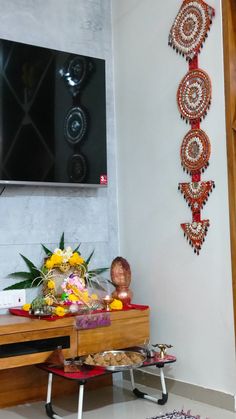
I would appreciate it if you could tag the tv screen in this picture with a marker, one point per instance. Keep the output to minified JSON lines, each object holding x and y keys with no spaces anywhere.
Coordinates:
{"x":52,"y":117}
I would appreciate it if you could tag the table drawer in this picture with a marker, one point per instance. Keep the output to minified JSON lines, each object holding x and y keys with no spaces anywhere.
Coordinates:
{"x":34,"y":347}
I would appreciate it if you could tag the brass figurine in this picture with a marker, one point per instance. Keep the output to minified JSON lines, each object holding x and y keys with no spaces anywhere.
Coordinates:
{"x":107,"y":300}
{"x":163,"y":347}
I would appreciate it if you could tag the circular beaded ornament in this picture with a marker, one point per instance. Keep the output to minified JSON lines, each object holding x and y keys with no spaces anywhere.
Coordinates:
{"x":190,"y":27}
{"x":195,"y":151}
{"x":194,"y":95}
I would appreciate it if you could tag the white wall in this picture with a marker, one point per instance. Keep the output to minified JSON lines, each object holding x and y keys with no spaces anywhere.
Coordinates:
{"x":33,"y":215}
{"x":190,"y":296}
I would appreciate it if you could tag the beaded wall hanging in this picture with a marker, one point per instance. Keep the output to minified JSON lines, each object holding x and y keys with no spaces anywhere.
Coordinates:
{"x":190,"y":27}
{"x":194,"y":95}
{"x":195,"y":151}
{"x":187,"y":35}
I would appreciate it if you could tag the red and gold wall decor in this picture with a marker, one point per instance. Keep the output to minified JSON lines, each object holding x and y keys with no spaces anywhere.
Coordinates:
{"x":187,"y":35}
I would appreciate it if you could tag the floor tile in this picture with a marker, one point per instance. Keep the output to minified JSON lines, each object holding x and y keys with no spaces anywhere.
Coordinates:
{"x":115,"y":403}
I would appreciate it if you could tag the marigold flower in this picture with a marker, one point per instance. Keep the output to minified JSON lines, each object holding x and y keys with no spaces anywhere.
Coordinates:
{"x":51,"y":284}
{"x":26,"y":307}
{"x":56,"y":259}
{"x":49,"y":263}
{"x":116,"y":305}
{"x":73,"y":297}
{"x":94,"y":296}
{"x":60,"y":311}
{"x":76,"y":259}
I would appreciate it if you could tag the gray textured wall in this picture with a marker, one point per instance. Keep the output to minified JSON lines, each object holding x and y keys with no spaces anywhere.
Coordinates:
{"x":33,"y":215}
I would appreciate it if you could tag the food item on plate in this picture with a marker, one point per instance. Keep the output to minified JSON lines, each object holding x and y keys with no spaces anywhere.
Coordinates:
{"x":114,"y":358}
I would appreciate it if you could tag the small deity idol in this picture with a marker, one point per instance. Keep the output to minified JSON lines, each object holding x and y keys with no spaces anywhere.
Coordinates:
{"x":121,"y":278}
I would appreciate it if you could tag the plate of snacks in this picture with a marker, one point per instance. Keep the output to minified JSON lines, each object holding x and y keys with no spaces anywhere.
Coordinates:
{"x":115,"y":360}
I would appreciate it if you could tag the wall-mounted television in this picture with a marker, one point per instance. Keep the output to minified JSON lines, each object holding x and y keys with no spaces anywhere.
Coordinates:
{"x":52,"y":117}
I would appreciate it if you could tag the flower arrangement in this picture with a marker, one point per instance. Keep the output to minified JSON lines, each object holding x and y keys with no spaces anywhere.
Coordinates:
{"x":68,"y":285}
{"x":62,"y":259}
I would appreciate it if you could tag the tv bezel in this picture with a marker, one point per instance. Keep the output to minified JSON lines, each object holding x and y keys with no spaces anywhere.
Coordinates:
{"x":55,"y":184}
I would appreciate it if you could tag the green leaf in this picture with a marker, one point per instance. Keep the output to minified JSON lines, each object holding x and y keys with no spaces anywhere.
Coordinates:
{"x":98,"y":271}
{"x":28,"y":262}
{"x":77,"y":249}
{"x":46,"y":250}
{"x":96,"y":285}
{"x":33,"y":269}
{"x":26,"y":275}
{"x":36,"y":282}
{"x":89,"y":258}
{"x":20,"y":285}
{"x":62,"y":242}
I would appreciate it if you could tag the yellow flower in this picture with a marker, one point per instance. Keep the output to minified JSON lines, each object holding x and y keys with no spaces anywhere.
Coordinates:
{"x":26,"y":307}
{"x":73,"y":297}
{"x":49,"y":263}
{"x":60,"y":311}
{"x":56,"y":259}
{"x":94,"y":297}
{"x":51,"y":284}
{"x":76,"y":259}
{"x":116,"y":305}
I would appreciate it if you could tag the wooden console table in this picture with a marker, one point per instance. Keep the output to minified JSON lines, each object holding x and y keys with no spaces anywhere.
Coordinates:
{"x":25,"y":342}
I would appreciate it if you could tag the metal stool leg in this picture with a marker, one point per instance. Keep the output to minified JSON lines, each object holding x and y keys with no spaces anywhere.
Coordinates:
{"x":142,"y":395}
{"x":132,"y":379}
{"x":48,"y":404}
{"x":80,"y":401}
{"x":137,"y":392}
{"x":164,"y":398}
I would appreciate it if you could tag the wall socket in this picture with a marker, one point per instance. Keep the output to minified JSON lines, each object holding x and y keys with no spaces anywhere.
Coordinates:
{"x":12,"y":298}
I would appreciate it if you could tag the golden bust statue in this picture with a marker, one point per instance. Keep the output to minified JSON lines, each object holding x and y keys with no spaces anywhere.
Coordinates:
{"x":121,"y":278}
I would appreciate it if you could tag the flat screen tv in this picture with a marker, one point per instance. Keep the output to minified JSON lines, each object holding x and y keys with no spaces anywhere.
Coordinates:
{"x":52,"y":117}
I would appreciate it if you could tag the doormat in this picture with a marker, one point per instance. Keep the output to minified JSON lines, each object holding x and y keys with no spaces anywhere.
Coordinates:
{"x":177,"y":415}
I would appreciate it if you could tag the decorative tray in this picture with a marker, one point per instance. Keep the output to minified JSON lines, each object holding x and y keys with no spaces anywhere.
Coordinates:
{"x":116,"y":360}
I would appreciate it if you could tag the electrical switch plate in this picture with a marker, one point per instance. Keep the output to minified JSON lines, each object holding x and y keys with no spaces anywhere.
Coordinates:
{"x":12,"y":298}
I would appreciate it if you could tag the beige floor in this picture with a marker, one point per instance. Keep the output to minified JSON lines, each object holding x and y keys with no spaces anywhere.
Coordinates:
{"x":115,"y":402}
